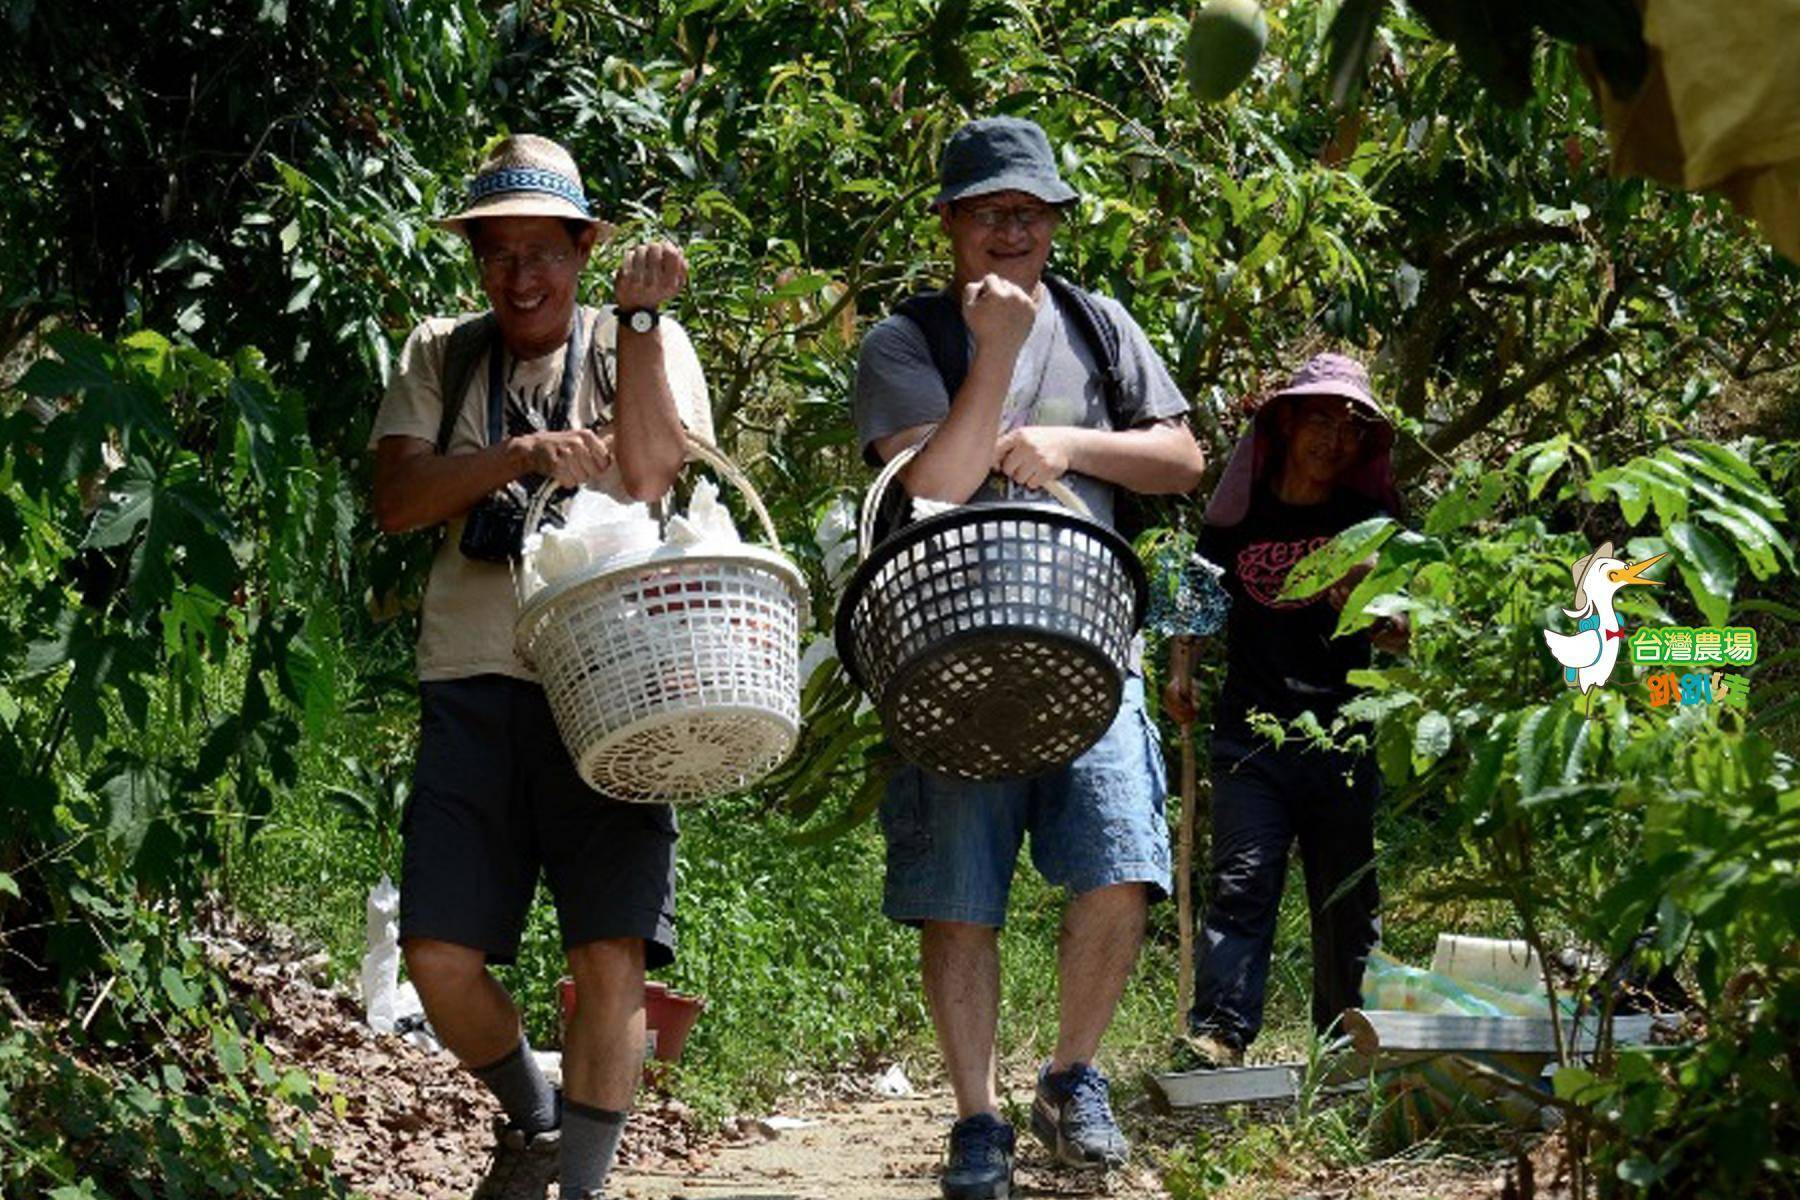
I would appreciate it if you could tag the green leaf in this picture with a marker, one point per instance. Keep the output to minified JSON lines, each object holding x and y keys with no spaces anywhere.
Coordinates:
{"x":303,"y":294}
{"x":259,"y":417}
{"x":1469,"y":500}
{"x":807,"y":284}
{"x":1639,"y":1171}
{"x":135,"y":793}
{"x":130,"y":500}
{"x":1708,"y":568}
{"x":1360,"y":608}
{"x":1490,"y":756}
{"x":9,"y":885}
{"x":181,"y":993}
{"x":85,"y":1190}
{"x":1547,"y":462}
{"x":1758,"y":541}
{"x":861,"y":807}
{"x":1726,"y":467}
{"x":1536,"y":746}
{"x":1572,"y":1083}
{"x":1332,"y":561}
{"x":1431,"y":740}
{"x":230,"y":1049}
{"x":82,"y":363}
{"x":1633,"y":503}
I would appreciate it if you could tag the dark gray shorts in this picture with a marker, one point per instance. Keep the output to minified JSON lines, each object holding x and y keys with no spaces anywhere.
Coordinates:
{"x":495,"y":799}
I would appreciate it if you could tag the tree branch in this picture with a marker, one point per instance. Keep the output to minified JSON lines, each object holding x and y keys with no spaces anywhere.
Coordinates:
{"x":1496,"y":400}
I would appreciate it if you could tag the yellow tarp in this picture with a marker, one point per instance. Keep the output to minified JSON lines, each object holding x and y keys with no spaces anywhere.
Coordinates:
{"x":1719,"y":109}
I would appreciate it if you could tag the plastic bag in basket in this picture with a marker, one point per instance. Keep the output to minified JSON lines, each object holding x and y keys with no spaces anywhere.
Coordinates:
{"x":1187,"y":597}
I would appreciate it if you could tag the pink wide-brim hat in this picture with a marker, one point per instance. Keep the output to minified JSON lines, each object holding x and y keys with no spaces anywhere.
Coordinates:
{"x":1251,"y":459}
{"x":524,"y":176}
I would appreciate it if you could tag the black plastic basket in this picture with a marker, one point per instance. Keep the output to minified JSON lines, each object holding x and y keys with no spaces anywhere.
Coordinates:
{"x":993,"y":639}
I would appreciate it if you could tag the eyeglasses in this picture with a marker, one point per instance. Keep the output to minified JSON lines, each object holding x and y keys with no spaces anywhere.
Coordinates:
{"x":497,"y":264}
{"x":1343,"y":428}
{"x":1027,"y":217}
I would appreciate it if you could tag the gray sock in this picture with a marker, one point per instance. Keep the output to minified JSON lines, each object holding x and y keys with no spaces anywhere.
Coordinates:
{"x":521,"y":1089}
{"x":590,"y":1139}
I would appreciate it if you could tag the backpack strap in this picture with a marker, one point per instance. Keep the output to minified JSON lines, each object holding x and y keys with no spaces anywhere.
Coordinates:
{"x":471,"y":336}
{"x":939,"y":318}
{"x":1102,"y":337}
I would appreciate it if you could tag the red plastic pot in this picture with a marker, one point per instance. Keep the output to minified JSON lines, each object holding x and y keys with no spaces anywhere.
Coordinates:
{"x":668,"y":1015}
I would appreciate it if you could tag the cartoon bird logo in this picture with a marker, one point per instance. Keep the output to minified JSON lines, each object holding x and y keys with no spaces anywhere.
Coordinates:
{"x":1589,"y":654}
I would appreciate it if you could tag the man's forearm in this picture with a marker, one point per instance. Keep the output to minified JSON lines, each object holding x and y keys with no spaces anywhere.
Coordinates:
{"x":649,"y":443}
{"x":961,"y":453}
{"x":427,"y":489}
{"x":1155,"y":460}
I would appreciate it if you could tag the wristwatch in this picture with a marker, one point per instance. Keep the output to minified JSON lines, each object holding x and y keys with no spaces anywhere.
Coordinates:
{"x":639,"y":320}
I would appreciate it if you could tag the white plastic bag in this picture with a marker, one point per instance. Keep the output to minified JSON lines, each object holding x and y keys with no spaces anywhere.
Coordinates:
{"x":706,"y":520}
{"x":381,"y":962}
{"x":835,"y":536}
{"x":595,"y":528}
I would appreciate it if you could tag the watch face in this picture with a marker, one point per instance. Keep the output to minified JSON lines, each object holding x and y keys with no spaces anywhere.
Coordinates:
{"x":643,"y":321}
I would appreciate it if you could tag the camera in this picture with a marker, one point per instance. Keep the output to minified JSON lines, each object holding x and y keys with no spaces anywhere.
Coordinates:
{"x":495,"y":529}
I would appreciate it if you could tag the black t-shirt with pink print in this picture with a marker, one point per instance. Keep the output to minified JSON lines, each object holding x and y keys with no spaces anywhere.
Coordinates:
{"x":1280,"y":655}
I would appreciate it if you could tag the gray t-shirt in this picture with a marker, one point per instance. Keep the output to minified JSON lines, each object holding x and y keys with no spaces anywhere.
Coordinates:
{"x":1055,"y":382}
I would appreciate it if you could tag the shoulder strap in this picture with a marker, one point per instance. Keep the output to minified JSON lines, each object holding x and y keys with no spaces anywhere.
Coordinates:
{"x":605,"y":360}
{"x":1102,"y":337}
{"x":471,"y":336}
{"x":939,"y":318}
{"x":1132,"y":513}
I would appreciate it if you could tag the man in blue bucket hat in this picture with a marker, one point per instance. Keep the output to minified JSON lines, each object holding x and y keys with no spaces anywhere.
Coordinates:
{"x":481,"y":410}
{"x":1020,"y":379}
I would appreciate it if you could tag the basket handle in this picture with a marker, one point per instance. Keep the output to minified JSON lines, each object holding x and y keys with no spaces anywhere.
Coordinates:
{"x":698,"y":450}
{"x":865,"y":529}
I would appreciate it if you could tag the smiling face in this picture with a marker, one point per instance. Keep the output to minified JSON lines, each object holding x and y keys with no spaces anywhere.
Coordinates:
{"x":1008,"y":234}
{"x":529,"y":269}
{"x":1324,"y":437}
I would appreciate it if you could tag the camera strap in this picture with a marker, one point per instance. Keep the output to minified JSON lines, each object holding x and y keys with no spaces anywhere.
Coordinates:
{"x":565,"y":390}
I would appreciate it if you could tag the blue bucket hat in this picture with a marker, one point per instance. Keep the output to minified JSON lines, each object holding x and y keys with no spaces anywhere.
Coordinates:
{"x":1000,"y":154}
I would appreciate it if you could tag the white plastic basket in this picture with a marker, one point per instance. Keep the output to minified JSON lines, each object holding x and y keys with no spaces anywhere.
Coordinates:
{"x":673,"y":672}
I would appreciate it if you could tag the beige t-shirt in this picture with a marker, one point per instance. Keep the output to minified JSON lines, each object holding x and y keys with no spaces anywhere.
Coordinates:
{"x":467,"y":626}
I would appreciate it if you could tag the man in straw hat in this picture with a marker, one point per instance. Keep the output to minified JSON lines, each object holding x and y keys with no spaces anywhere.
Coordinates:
{"x":1016,"y":374}
{"x":1315,"y":461}
{"x":480,"y":412}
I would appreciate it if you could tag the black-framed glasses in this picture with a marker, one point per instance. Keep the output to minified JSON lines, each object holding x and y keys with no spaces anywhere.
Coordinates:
{"x":1029,"y":217}
{"x":1351,"y":429}
{"x":498,"y":264}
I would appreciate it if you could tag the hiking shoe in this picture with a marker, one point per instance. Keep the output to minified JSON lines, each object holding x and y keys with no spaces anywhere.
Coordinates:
{"x":980,"y":1159}
{"x":1073,"y":1117}
{"x":524,"y":1164}
{"x":1205,"y":1052}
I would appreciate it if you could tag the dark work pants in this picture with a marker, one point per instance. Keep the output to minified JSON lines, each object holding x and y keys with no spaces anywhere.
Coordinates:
{"x":1263,"y":798}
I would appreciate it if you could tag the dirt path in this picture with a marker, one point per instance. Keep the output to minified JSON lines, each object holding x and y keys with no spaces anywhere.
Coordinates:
{"x":404,"y":1124}
{"x":860,"y":1149}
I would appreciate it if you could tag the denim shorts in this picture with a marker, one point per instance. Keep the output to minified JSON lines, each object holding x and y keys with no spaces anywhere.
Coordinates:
{"x":952,"y":844}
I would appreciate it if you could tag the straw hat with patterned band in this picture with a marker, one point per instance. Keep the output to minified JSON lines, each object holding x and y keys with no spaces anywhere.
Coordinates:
{"x":524,"y":176}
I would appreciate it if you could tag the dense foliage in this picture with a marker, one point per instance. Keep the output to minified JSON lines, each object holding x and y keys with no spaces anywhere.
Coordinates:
{"x":216,"y":237}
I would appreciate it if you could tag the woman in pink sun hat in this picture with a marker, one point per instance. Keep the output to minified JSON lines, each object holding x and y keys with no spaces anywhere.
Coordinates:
{"x":1316,"y":460}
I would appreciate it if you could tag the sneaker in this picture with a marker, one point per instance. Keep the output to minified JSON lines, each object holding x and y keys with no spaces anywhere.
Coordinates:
{"x":980,"y":1160}
{"x":1205,"y":1052}
{"x":524,"y":1164}
{"x":1073,"y":1117}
